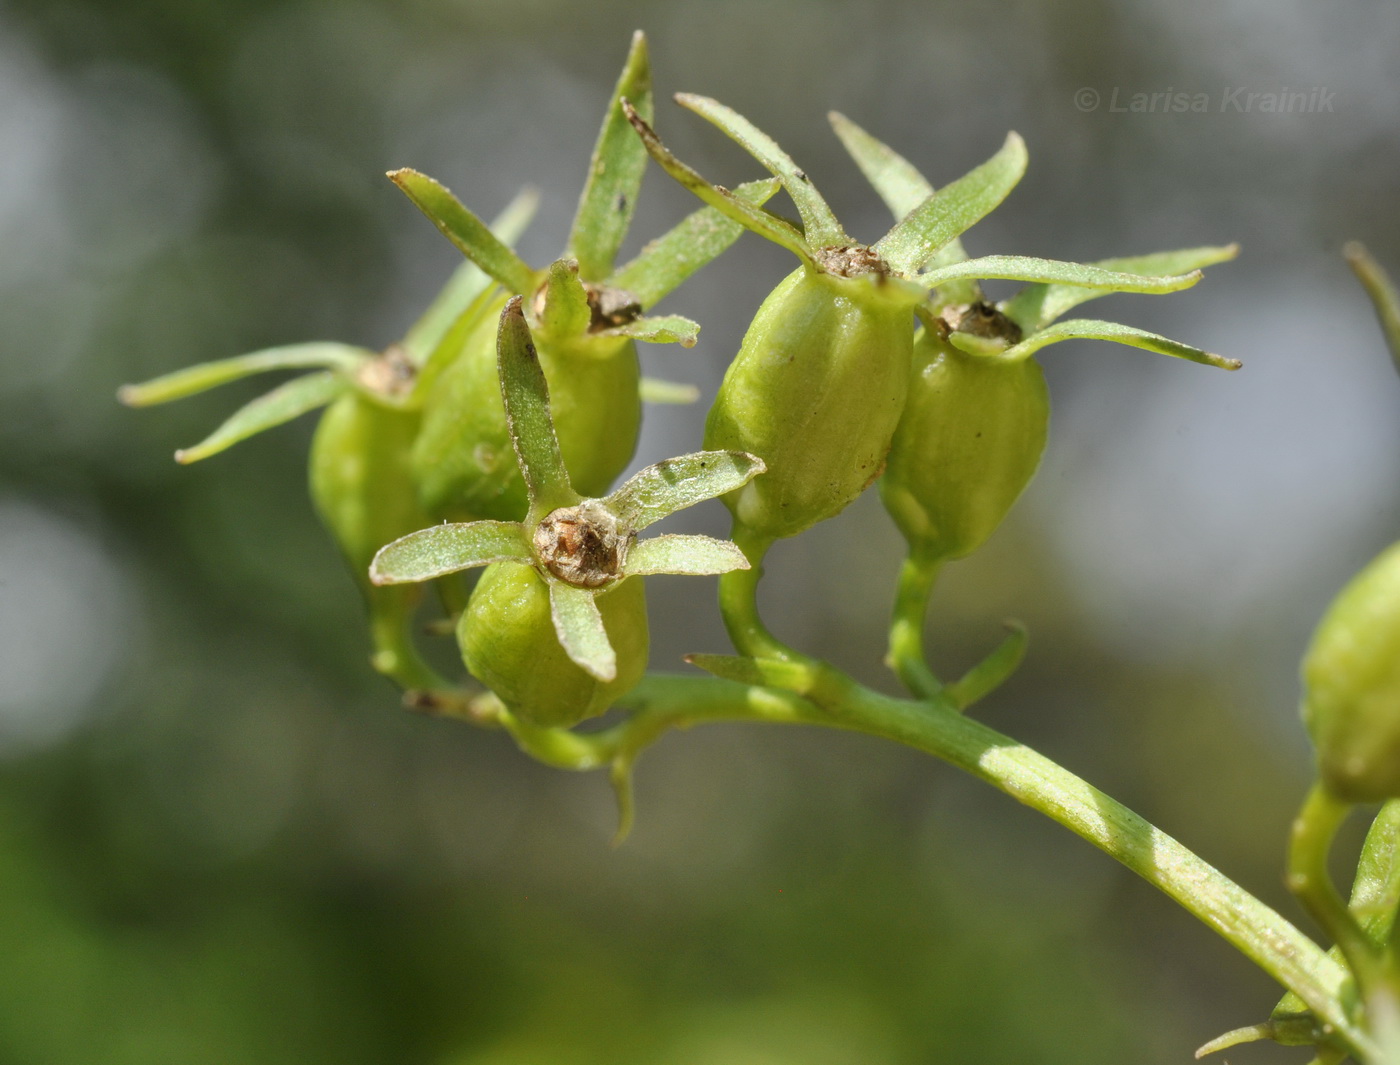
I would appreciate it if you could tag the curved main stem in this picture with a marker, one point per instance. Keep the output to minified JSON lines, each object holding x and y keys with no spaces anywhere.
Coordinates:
{"x":1260,"y":933}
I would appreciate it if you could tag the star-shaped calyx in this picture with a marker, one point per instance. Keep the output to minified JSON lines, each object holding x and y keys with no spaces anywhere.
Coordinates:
{"x":582,"y":301}
{"x":580,"y":547}
{"x":1016,"y":328}
{"x":921,"y":252}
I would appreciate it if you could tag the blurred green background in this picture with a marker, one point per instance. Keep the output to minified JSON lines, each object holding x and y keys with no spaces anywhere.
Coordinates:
{"x":220,"y":839}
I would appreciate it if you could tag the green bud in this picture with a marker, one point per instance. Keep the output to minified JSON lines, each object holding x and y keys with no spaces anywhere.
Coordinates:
{"x":509,"y":643}
{"x":969,"y":441}
{"x":816,"y":391}
{"x":1351,"y":686}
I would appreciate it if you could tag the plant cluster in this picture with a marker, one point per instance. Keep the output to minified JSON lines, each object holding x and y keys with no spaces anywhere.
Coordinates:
{"x":493,"y":434}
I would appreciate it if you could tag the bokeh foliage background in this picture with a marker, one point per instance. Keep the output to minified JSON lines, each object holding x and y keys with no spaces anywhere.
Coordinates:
{"x":221,"y":841}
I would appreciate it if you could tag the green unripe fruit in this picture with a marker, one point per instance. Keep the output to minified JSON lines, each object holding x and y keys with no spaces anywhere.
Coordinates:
{"x":815,"y":392}
{"x":1351,"y":686}
{"x":463,"y":460}
{"x":970,"y":439}
{"x":362,"y":488}
{"x":508,"y":642}
{"x":360,"y":477}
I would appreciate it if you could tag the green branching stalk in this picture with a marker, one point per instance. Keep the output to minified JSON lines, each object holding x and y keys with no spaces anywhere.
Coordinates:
{"x":662,"y":702}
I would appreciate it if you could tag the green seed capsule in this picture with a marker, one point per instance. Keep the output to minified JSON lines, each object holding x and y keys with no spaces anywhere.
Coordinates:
{"x":509,"y":643}
{"x":463,"y":461}
{"x":969,"y":442}
{"x":360,"y":485}
{"x":1351,"y":686}
{"x":815,"y":391}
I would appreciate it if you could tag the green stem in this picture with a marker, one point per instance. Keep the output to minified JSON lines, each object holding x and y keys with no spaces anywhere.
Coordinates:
{"x":906,"y":651}
{"x":1313,"y":832}
{"x":1291,"y":958}
{"x":738,"y":601}
{"x":395,"y":654}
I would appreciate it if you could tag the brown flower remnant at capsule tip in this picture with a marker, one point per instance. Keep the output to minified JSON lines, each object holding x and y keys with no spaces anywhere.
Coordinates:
{"x":582,"y":545}
{"x":980,"y":319}
{"x":851,"y":260}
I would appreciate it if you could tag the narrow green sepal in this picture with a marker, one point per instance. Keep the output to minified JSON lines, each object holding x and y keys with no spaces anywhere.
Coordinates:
{"x":1382,"y":292}
{"x":663,"y":329}
{"x":695,"y":241}
{"x":443,"y":549}
{"x":993,"y":671}
{"x":671,"y":485}
{"x":977,"y":345}
{"x":1029,"y":268}
{"x":285,"y":402}
{"x":467,"y":282}
{"x":900,"y":184}
{"x":1252,"y":1033}
{"x":620,"y":776}
{"x":320,"y":355}
{"x":819,"y":224}
{"x":896,"y":180}
{"x":615,"y":172}
{"x":579,"y":626}
{"x":953,"y":209}
{"x":764,"y":672}
{"x":684,"y":554}
{"x":563,"y":313}
{"x":469,"y":233}
{"x":672,"y":393}
{"x":1037,"y":305}
{"x":1089,"y":329}
{"x":526,"y":396}
{"x":718,"y":197}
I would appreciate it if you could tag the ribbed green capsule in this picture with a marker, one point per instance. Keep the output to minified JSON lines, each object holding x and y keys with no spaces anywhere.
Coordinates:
{"x":361,"y":488}
{"x":585,"y":315}
{"x":463,"y":461}
{"x":1351,"y":686}
{"x":968,"y":443}
{"x":816,"y":390}
{"x":509,"y":643}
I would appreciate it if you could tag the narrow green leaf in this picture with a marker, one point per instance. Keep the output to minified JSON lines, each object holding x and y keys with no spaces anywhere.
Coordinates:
{"x":442,"y":549}
{"x":699,"y":239}
{"x":1375,"y":892}
{"x":1382,"y":292}
{"x":674,"y":393}
{"x":468,"y":232}
{"x":579,"y":626}
{"x":282,"y":404}
{"x":791,"y":676}
{"x":1026,"y":268}
{"x":1088,"y":329}
{"x":565,"y":313}
{"x":195,"y":379}
{"x":1037,"y":305}
{"x":677,"y":553}
{"x":447,"y":349}
{"x":718,"y":197}
{"x":992,"y":672}
{"x":954,"y":209}
{"x":896,"y":180}
{"x":673,"y":484}
{"x":664,"y":329}
{"x":818,"y":223}
{"x":467,"y":282}
{"x":526,"y":396}
{"x":615,"y":173}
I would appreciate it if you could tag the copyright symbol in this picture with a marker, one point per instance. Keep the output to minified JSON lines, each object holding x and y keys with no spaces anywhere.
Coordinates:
{"x":1087,"y":99}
